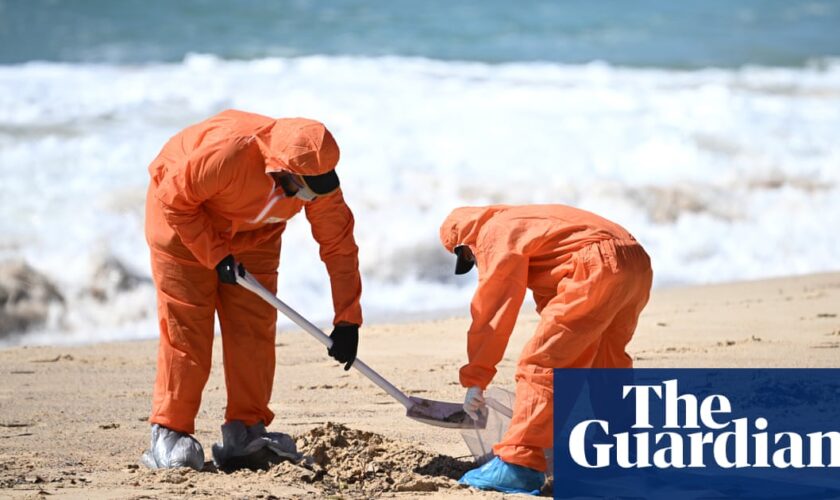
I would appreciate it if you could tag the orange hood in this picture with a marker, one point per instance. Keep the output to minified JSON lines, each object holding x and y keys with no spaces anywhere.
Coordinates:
{"x":298,"y":145}
{"x":462,"y":225}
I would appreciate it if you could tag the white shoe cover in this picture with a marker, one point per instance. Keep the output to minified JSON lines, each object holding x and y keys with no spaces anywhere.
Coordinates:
{"x":169,"y":449}
{"x":246,"y":447}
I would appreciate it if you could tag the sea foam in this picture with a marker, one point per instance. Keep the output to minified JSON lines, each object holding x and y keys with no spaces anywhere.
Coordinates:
{"x":721,"y":174}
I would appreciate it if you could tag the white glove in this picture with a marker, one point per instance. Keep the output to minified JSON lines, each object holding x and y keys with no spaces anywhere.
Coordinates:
{"x":473,"y":401}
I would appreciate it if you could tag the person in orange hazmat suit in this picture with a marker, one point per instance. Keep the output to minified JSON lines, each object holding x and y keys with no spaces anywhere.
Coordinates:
{"x":221,"y":192}
{"x":590,"y":280}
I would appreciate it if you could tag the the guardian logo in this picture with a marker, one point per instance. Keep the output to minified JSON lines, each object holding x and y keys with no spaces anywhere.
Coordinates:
{"x":730,"y":442}
{"x":697,"y":433}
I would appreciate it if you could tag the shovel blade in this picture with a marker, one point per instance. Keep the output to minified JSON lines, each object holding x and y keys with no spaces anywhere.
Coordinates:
{"x":443,"y":414}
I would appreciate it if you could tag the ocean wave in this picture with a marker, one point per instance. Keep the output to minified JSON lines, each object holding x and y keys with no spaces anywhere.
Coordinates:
{"x":722,"y":174}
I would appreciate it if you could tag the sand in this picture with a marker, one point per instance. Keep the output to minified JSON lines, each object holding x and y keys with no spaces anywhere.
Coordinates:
{"x":73,"y":419}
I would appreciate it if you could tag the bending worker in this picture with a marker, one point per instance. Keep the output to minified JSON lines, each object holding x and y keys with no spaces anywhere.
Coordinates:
{"x":590,"y":280}
{"x":221,"y":192}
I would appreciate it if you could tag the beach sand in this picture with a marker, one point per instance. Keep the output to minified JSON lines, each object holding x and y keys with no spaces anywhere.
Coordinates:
{"x":73,"y":419}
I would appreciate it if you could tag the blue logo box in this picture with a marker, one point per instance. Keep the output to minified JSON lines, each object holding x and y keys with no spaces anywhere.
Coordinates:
{"x":697,"y":433}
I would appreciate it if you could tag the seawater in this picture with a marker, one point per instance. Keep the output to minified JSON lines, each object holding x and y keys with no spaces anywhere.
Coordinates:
{"x":724,"y":166}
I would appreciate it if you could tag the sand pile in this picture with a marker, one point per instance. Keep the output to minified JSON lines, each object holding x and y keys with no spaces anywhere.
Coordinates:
{"x":343,"y":460}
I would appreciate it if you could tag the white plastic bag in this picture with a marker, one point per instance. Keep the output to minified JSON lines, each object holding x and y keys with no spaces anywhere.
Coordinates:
{"x":500,"y":410}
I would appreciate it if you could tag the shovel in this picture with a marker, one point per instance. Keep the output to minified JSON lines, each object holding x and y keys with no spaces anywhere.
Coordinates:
{"x":427,"y":411}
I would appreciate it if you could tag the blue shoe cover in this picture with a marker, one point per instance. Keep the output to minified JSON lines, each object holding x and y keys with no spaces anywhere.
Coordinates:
{"x":508,"y":478}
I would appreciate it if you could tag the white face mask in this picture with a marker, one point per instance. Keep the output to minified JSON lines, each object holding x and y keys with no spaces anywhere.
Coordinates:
{"x":305,"y":194}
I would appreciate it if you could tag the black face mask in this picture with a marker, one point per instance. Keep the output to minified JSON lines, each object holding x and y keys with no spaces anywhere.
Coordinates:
{"x":463,"y":264}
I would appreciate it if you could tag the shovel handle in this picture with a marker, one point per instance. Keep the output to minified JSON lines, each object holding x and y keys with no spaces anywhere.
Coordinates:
{"x":249,"y":282}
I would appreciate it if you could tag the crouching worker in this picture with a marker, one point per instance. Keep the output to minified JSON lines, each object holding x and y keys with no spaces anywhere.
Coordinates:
{"x":590,"y":280}
{"x":221,"y":192}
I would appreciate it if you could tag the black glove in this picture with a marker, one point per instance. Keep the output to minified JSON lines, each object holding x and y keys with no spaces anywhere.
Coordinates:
{"x":228,"y":269}
{"x":345,"y":344}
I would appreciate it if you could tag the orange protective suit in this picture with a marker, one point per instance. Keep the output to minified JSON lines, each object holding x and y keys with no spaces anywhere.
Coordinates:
{"x":590,"y":279}
{"x":211,"y":196}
